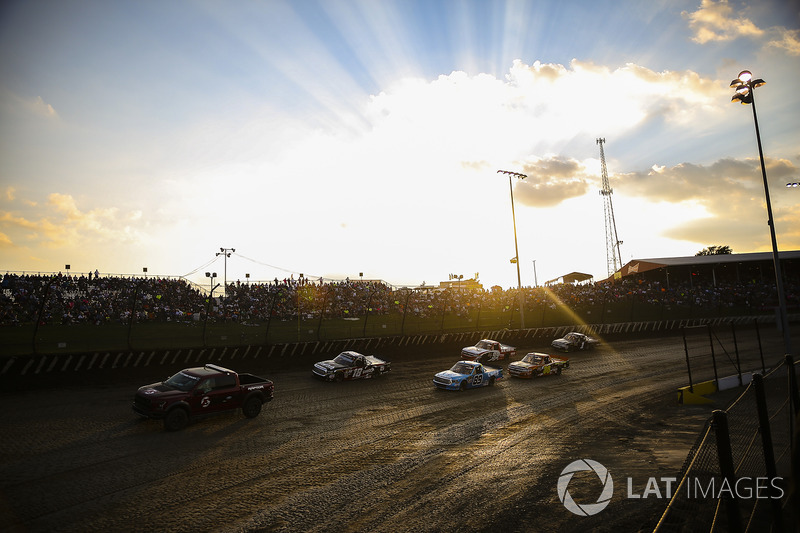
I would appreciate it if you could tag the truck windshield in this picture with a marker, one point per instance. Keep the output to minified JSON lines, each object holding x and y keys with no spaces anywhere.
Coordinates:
{"x":182,"y":381}
{"x":343,"y":359}
{"x":483,"y":345}
{"x":462,"y":368}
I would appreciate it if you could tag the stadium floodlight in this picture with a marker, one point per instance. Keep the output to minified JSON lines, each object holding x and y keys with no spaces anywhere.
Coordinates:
{"x":211,"y":275}
{"x":226,"y":253}
{"x":745,"y":87}
{"x":792,"y":185}
{"x":516,"y":248}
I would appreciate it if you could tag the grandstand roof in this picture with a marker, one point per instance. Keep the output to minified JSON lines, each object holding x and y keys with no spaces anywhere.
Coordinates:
{"x":636,"y":266}
{"x":572,"y":277}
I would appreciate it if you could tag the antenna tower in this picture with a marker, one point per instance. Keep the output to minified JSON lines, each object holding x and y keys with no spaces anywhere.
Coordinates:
{"x":613,"y":254}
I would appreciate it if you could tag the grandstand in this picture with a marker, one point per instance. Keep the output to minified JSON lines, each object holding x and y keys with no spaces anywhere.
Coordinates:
{"x":711,"y":269}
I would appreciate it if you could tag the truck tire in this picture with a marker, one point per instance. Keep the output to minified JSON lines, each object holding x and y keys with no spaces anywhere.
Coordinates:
{"x":176,"y":419}
{"x":338,"y":377}
{"x":463,"y":386}
{"x":252,"y":406}
{"x":558,"y":371}
{"x":491,"y":381}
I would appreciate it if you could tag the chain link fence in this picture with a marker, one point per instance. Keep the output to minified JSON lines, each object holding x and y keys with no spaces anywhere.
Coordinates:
{"x":69,"y":314}
{"x":736,"y":476}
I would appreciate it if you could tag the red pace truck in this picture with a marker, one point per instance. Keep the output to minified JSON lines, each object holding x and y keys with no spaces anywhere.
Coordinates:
{"x":200,"y":391}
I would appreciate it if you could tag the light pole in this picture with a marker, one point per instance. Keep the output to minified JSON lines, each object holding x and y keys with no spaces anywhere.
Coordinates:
{"x":516,"y":248}
{"x":227,"y":253}
{"x":211,"y":275}
{"x":535,"y":278}
{"x":745,"y":87}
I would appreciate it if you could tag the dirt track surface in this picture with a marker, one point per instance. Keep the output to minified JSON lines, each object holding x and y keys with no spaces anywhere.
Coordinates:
{"x":392,"y":454}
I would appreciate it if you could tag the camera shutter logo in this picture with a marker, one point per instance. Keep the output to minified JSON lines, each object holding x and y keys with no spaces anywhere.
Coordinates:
{"x":586,"y":509}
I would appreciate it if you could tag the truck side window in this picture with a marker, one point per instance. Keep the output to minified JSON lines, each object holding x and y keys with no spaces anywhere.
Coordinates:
{"x":225,"y":382}
{"x":206,"y":385}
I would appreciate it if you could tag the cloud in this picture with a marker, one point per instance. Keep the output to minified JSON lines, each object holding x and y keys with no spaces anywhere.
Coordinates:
{"x":715,"y":21}
{"x":536,"y":108}
{"x":63,"y":224}
{"x":550,"y":181}
{"x":5,"y":241}
{"x":787,"y":40}
{"x":43,"y":109}
{"x":731,"y":193}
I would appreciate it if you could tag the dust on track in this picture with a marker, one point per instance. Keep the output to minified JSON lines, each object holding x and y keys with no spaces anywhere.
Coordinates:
{"x":384,"y":455}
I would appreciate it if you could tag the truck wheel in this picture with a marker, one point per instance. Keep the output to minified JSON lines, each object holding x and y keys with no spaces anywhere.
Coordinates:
{"x":558,"y":371}
{"x":339,"y":377}
{"x":176,"y":419}
{"x":251,"y":407}
{"x":463,"y":386}
{"x":491,"y":381}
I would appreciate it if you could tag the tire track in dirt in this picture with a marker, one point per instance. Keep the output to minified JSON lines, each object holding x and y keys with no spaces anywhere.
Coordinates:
{"x":388,"y":454}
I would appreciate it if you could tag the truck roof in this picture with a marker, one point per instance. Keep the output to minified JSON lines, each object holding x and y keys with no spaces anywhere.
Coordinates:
{"x":208,"y":370}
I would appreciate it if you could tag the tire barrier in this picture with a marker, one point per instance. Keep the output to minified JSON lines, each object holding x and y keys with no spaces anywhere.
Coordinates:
{"x":52,"y":364}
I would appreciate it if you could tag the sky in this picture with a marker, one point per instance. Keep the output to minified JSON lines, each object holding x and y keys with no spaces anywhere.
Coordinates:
{"x":346,"y":139}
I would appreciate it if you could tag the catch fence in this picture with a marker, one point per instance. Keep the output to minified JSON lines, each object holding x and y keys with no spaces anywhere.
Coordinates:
{"x":736,"y":476}
{"x":57,"y":314}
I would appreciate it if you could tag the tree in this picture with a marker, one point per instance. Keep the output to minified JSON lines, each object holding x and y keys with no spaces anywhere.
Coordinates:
{"x":715,"y":250}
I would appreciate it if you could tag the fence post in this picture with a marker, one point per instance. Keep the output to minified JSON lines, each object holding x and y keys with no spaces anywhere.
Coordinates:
{"x":688,"y":364}
{"x":39,"y":315}
{"x":133,"y":314}
{"x":269,"y":317}
{"x":792,"y":383}
{"x":322,"y":312}
{"x":405,"y":310}
{"x":760,"y":348}
{"x":366,"y":311}
{"x":713,"y":357}
{"x":736,"y":350}
{"x":794,"y":404}
{"x":727,"y":470}
{"x":769,"y":452}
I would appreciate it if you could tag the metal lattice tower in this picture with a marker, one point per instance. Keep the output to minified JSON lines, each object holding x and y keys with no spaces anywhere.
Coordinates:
{"x":613,"y":254}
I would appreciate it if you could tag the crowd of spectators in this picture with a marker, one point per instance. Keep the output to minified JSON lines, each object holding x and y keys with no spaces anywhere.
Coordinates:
{"x":97,"y":300}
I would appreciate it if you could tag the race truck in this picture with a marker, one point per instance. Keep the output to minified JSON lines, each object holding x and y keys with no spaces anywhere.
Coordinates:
{"x":537,"y":364}
{"x":200,"y":391}
{"x":467,"y":375}
{"x":351,"y":365}
{"x":487,"y":350}
{"x":574,"y":341}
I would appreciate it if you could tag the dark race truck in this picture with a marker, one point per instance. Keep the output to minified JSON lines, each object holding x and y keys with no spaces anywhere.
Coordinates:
{"x":201,"y":391}
{"x":351,"y":365}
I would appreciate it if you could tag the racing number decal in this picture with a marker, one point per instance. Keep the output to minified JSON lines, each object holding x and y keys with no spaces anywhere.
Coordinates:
{"x":205,"y":402}
{"x":357,"y":372}
{"x":546,"y":369}
{"x":477,"y":380}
